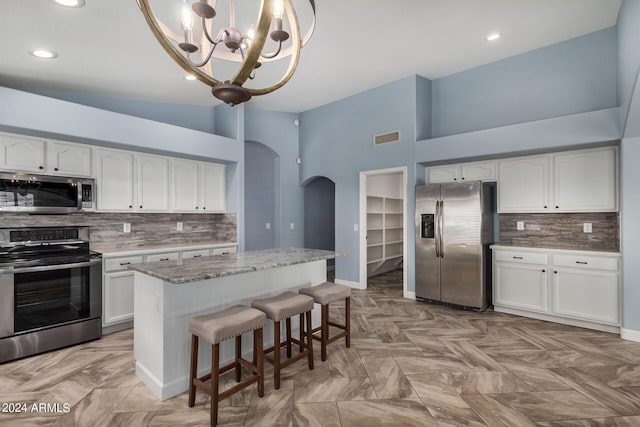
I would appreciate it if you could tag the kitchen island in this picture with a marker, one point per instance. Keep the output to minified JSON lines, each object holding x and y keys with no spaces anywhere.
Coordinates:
{"x":167,"y":294}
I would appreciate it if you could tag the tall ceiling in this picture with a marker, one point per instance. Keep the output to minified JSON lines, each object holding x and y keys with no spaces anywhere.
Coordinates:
{"x":107,"y":49}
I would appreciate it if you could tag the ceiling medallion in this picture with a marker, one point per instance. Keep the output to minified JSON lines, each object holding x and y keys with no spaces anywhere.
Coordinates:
{"x":199,"y":37}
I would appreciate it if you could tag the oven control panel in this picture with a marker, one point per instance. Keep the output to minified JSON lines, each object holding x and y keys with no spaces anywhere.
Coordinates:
{"x":43,"y":234}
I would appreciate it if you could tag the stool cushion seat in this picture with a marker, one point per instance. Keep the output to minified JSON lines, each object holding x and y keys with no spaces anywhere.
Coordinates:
{"x":283,"y":306}
{"x":228,"y":323}
{"x":327,"y":292}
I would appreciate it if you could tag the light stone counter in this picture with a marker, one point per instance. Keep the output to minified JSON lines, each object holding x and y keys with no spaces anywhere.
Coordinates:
{"x":121,"y":249}
{"x":167,"y":294}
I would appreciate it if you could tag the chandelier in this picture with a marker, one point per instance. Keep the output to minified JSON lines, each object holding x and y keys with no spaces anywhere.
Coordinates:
{"x":203,"y":41}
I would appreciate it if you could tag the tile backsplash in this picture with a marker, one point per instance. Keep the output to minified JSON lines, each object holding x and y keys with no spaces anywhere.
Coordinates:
{"x":562,"y":230}
{"x":146,"y":228}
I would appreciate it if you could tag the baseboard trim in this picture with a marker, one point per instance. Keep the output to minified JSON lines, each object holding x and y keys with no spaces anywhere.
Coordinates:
{"x":630,"y":334}
{"x":558,"y":319}
{"x":410,"y":295}
{"x":355,"y":285}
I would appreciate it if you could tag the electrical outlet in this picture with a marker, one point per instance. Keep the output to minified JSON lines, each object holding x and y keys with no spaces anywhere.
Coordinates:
{"x":355,"y":227}
{"x":520,"y":225}
{"x":293,"y":226}
{"x":126,"y":227}
{"x":268,"y":226}
{"x":179,"y":226}
{"x":587,"y":227}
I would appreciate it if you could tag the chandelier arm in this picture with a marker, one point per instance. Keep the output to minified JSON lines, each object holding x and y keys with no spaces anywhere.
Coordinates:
{"x":253,"y":53}
{"x":295,"y":56}
{"x":204,"y":61}
{"x":206,"y":31}
{"x":274,"y":54}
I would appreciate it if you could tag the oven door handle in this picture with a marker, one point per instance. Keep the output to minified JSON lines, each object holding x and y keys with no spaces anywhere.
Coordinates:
{"x":51,"y":267}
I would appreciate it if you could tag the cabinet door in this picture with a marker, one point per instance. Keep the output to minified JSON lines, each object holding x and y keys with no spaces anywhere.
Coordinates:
{"x":224,"y":250}
{"x":153,"y":183}
{"x":590,"y":295}
{"x":585,"y":181}
{"x":447,"y":173}
{"x":22,"y":154}
{"x":520,"y":286}
{"x":523,"y":185}
{"x":484,"y":171}
{"x":213,"y":187}
{"x":114,"y":180}
{"x":70,"y":159}
{"x":186,"y":192}
{"x":118,"y":298}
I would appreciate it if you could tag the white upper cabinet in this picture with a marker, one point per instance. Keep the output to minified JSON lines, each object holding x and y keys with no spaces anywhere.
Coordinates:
{"x":22,"y":154}
{"x":586,"y":181}
{"x":186,"y":185}
{"x":475,"y":171}
{"x":114,"y":170}
{"x":69,"y":159}
{"x":213,"y":187}
{"x":523,"y":184}
{"x":198,"y":186}
{"x":571,"y":181}
{"x":153,"y":183}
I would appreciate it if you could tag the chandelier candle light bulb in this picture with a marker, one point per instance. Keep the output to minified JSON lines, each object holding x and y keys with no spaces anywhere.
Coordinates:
{"x":229,"y":43}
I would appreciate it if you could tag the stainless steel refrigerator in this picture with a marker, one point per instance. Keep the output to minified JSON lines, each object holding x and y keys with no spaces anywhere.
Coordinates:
{"x":454,"y":228}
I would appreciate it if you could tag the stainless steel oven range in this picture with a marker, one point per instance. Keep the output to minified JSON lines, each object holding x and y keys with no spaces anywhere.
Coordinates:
{"x":50,"y":290}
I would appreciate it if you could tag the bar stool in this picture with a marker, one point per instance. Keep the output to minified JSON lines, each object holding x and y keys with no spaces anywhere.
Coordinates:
{"x":280,"y":307}
{"x":324,"y":294}
{"x":216,"y":327}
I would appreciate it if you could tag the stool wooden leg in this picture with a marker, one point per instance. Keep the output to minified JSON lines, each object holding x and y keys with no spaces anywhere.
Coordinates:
{"x":324,"y":334}
{"x":276,"y":355}
{"x":347,"y":321}
{"x":302,"y":333}
{"x":238,"y":356}
{"x":193,"y":372}
{"x":288,"y":327}
{"x":309,"y":339}
{"x":215,"y":380}
{"x":258,"y":356}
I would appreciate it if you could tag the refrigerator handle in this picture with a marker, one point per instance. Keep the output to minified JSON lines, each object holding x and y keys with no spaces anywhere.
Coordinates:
{"x":436,"y":229}
{"x":441,"y":229}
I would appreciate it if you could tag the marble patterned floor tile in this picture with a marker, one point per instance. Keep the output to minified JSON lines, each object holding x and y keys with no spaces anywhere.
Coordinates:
{"x":388,"y":331}
{"x":321,"y":414}
{"x":486,"y":382}
{"x":274,"y":409}
{"x":443,"y":401}
{"x":94,"y":408}
{"x":474,"y":357}
{"x":615,"y":375}
{"x":334,"y":389}
{"x":373,"y":413}
{"x":372,"y":349}
{"x":554,"y":405}
{"x":127,"y":419}
{"x":495,"y":413}
{"x":343,"y":361}
{"x":539,"y":379}
{"x":387,"y":379}
{"x":595,"y":422}
{"x":431,"y":364}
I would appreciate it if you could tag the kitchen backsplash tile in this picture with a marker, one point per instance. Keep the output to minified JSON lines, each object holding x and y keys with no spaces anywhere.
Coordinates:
{"x":146,"y":228}
{"x":562,"y":230}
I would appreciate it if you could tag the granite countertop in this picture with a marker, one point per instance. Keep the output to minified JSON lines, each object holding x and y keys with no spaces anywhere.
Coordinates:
{"x":122,"y":249}
{"x":552,"y":248}
{"x":210,"y":267}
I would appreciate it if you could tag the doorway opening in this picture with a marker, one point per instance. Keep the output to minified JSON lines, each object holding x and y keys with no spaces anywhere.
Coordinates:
{"x":319,"y":217}
{"x":383,"y":220}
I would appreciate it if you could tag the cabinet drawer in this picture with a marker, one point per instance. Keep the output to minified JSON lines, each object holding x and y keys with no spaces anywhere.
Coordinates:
{"x":227,"y":250}
{"x":586,"y":261}
{"x":167,"y":256}
{"x":120,"y":263}
{"x":520,"y":257}
{"x":195,"y":253}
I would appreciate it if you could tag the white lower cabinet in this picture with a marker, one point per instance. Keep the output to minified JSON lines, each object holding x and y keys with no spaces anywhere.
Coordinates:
{"x":117,"y":280}
{"x":574,"y":287}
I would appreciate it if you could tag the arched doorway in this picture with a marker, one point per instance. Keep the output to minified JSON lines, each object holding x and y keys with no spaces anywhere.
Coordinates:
{"x":319,"y":215}
{"x":260,"y":191}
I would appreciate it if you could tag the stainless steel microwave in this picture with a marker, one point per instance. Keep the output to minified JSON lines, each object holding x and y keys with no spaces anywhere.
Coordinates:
{"x":21,"y":192}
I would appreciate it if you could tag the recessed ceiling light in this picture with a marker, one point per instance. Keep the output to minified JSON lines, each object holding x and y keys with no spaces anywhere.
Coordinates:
{"x":70,"y":3}
{"x":493,"y":37}
{"x":189,"y":77}
{"x":43,"y":53}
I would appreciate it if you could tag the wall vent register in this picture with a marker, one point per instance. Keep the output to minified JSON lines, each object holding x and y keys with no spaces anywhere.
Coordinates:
{"x":386,"y":138}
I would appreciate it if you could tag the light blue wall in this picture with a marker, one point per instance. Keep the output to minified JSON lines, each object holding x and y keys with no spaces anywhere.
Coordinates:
{"x":423,"y":108}
{"x":260,"y":196}
{"x":277,"y":131}
{"x":337,"y":143}
{"x":628,"y":54}
{"x":571,"y":77}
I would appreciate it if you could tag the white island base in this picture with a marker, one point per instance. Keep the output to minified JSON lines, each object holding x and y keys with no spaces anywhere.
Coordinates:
{"x":161,"y":339}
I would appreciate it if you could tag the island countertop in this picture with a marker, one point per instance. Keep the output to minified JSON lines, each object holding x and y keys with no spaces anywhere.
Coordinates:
{"x":210,"y":267}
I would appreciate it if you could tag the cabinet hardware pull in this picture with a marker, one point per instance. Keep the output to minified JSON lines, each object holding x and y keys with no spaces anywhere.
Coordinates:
{"x":40,"y":167}
{"x":545,"y":207}
{"x":204,"y":207}
{"x":55,"y":169}
{"x":557,"y":207}
{"x":130,"y":206}
{"x":164,"y":259}
{"x":517,"y":257}
{"x":225,"y":253}
{"x":582,"y":262}
{"x":555,"y":272}
{"x":463,"y":178}
{"x":196,"y":207}
{"x":140,"y":206}
{"x":125,"y":263}
{"x":197,"y":256}
{"x":544,"y":271}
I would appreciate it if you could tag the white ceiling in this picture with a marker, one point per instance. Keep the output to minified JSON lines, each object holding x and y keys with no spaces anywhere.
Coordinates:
{"x":107,"y":49}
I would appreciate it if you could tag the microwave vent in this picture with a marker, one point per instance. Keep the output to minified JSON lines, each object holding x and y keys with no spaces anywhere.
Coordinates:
{"x":386,"y":138}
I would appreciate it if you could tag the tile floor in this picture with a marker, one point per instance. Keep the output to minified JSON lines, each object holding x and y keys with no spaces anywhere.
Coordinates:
{"x":410,"y":364}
